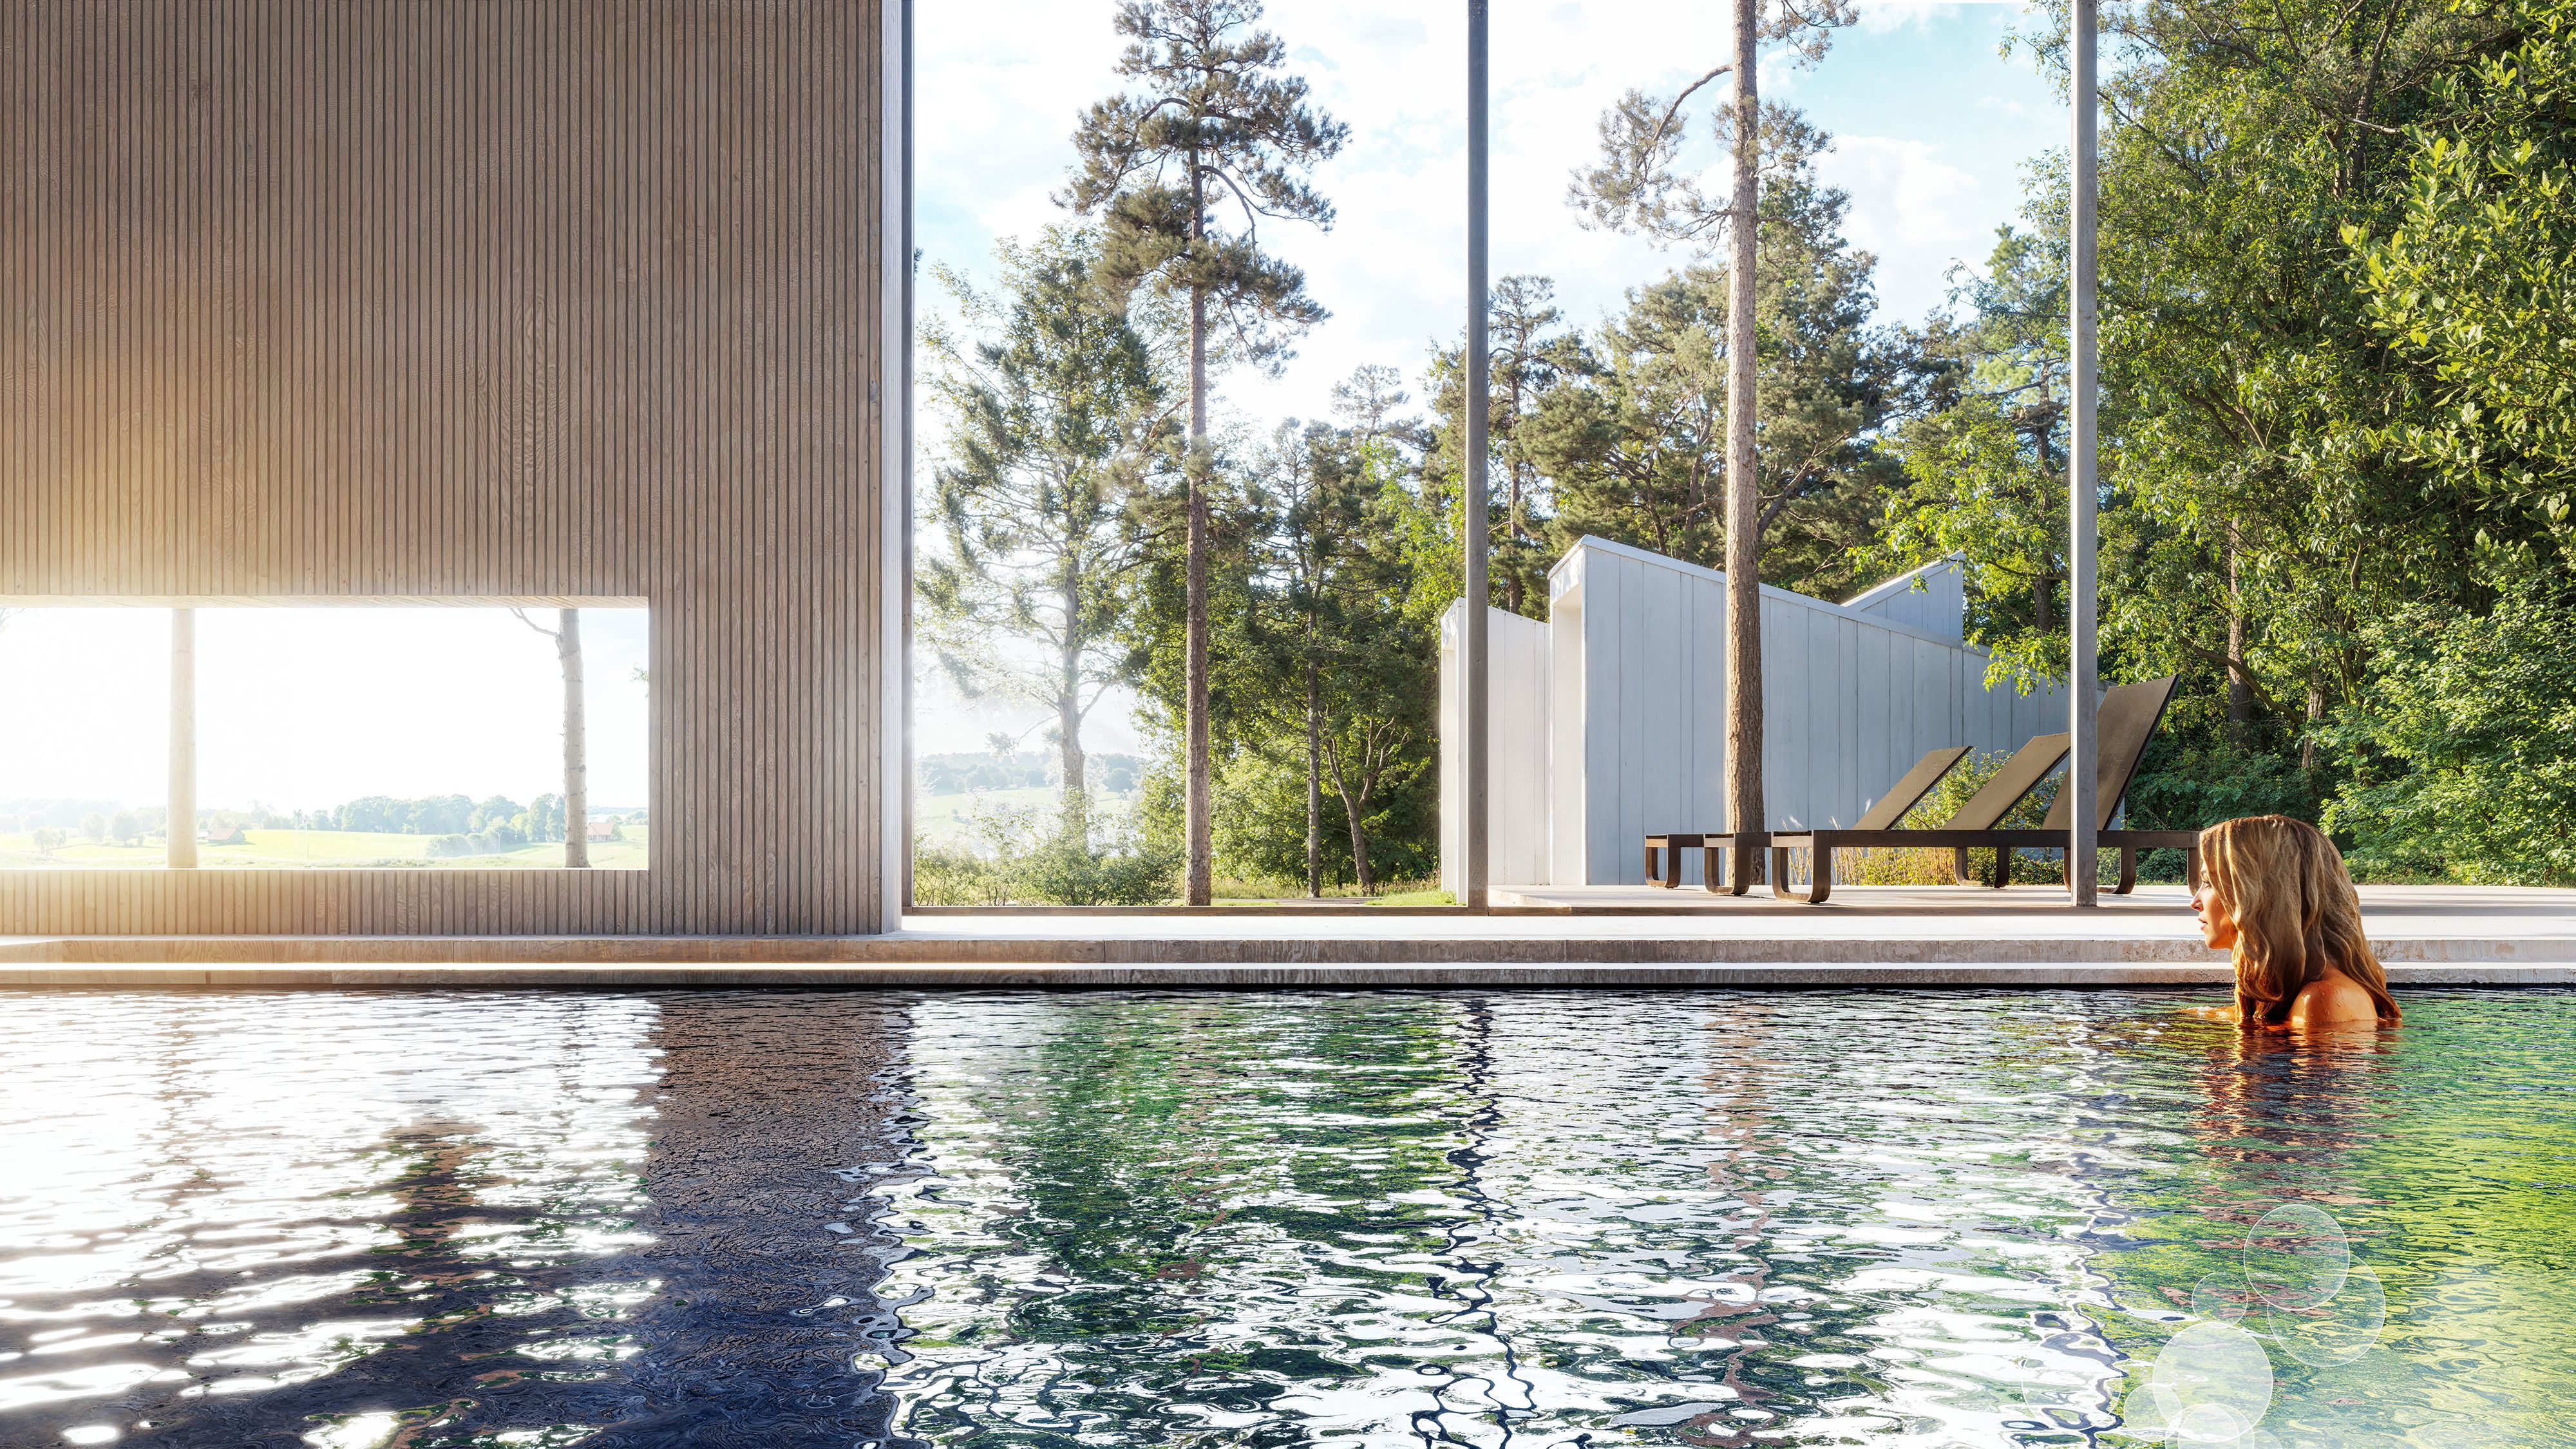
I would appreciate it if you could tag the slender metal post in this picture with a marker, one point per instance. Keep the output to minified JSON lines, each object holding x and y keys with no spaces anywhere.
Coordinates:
{"x":2082,"y":706}
{"x":1479,"y":389}
{"x":183,"y":740}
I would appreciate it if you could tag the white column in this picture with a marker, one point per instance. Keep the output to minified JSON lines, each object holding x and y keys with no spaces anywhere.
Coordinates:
{"x":2081,"y":475}
{"x":1479,"y":677}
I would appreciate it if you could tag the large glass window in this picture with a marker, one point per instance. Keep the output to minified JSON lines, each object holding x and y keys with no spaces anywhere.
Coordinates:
{"x":1056,"y":391}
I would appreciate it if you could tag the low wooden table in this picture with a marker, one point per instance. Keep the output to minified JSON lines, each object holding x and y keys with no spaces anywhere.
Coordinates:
{"x":1664,"y":858}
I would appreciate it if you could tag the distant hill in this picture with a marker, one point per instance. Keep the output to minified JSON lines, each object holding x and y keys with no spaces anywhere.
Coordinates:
{"x":59,"y":814}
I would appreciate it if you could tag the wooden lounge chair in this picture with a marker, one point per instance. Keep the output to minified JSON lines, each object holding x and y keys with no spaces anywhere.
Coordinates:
{"x":1973,"y":824}
{"x":1891,"y":807}
{"x":2128,"y":718}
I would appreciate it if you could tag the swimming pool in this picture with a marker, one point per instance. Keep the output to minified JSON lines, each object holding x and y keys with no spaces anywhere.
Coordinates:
{"x":1372,"y":1218}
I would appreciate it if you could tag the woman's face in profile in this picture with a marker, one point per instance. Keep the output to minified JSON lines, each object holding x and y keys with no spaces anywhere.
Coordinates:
{"x":2217,"y":922}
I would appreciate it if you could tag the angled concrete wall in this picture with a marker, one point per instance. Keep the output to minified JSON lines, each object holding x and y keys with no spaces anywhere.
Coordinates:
{"x":474,"y":300}
{"x":1609,"y":720}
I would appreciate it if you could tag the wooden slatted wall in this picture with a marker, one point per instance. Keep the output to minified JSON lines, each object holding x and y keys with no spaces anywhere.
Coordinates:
{"x":470,"y":299}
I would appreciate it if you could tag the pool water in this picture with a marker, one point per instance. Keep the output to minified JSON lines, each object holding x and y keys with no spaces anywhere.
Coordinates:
{"x":433,"y":1219}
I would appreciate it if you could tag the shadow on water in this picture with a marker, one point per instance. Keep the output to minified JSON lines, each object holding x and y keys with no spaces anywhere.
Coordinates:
{"x":615,"y":1257}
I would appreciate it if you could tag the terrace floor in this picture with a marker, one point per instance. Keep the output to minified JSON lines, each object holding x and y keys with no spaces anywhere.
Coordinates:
{"x":1599,"y":936}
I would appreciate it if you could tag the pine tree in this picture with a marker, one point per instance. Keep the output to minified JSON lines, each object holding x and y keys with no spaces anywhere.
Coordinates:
{"x":1637,"y":188}
{"x":1052,"y":418}
{"x":1212,"y":138}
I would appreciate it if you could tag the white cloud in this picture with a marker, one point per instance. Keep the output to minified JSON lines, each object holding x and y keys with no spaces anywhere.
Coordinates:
{"x":1914,"y":209}
{"x":1883,"y":16}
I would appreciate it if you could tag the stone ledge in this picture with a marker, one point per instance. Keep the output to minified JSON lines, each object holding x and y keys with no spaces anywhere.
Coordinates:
{"x":923,"y":949}
{"x":1310,"y":976}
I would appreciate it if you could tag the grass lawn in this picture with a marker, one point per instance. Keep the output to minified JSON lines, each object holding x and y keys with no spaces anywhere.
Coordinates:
{"x":318,"y":850}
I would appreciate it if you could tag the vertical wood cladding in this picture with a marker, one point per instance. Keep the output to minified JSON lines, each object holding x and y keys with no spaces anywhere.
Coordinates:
{"x":470,"y":299}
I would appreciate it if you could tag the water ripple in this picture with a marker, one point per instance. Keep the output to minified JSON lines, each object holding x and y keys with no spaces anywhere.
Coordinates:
{"x":436,"y":1219}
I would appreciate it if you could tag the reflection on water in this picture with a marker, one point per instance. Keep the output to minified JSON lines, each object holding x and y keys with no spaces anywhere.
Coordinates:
{"x":427,"y":1220}
{"x":1375,"y":1218}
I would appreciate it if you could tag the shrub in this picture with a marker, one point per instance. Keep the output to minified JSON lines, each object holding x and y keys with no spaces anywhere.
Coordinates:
{"x":2464,"y":738}
{"x":2194,"y":787}
{"x":1066,"y":857}
{"x":944,"y":877}
{"x":1910,"y":866}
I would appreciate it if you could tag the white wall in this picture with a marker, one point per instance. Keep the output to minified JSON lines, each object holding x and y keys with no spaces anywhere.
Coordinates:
{"x":1932,"y":599}
{"x":1626,"y":690}
{"x":1517,"y":743}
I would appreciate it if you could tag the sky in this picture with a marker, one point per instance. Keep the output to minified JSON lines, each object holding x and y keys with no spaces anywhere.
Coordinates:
{"x":1932,"y":130}
{"x":302,"y":709}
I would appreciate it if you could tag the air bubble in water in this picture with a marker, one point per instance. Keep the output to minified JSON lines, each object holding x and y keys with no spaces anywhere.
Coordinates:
{"x":2211,"y":1385}
{"x":2338,"y":1330}
{"x":2220,"y":1296}
{"x":2296,"y":1257}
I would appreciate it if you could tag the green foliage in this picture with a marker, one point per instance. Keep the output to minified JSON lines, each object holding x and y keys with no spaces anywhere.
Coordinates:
{"x":2192,"y":787}
{"x":1631,"y":433}
{"x":1055,"y":421}
{"x":1067,"y":856}
{"x":1261,"y":819}
{"x":1328,"y":568}
{"x":1985,"y":461}
{"x":2478,"y":282}
{"x":1212,"y":130}
{"x":2466,"y":741}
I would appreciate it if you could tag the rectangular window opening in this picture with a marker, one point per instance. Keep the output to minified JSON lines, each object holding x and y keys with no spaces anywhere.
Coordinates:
{"x":417,"y":736}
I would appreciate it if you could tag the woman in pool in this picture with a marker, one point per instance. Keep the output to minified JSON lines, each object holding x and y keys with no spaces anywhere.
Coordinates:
{"x":2275,"y":894}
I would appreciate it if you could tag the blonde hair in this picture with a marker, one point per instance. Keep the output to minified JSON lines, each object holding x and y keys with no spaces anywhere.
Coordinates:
{"x":2296,"y":913}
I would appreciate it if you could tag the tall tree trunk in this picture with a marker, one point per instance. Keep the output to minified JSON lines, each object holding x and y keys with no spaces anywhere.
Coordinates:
{"x":1359,"y":845}
{"x":182,"y":828}
{"x":2240,"y":694}
{"x":1744,"y":806}
{"x":1314,"y":774}
{"x":576,"y":744}
{"x":2308,"y":737}
{"x":2043,"y":599}
{"x":1200,"y":883}
{"x":1355,"y":809}
{"x":1068,"y":698}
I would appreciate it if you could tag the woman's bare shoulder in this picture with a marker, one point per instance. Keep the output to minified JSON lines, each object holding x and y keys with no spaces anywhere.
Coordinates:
{"x":2334,"y":998}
